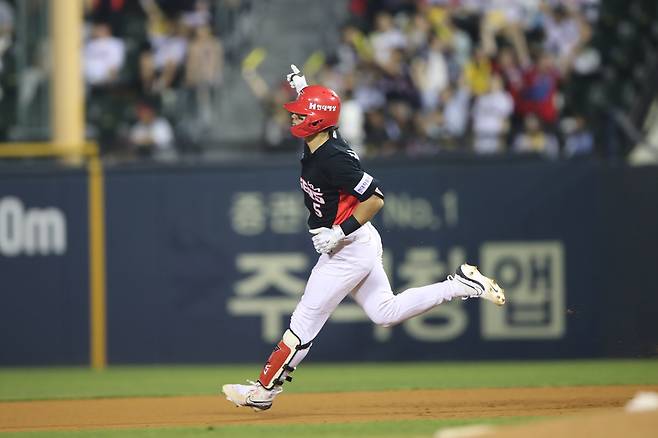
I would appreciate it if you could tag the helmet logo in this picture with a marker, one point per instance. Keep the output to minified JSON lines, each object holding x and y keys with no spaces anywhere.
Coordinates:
{"x":315,"y":106}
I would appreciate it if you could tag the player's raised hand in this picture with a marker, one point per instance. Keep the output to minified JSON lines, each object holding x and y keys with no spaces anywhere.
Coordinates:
{"x":296,"y":79}
{"x":326,"y":239}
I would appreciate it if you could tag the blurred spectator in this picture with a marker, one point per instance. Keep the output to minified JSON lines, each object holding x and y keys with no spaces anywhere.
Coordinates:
{"x":457,"y":42}
{"x":352,"y":121}
{"x":477,"y":72}
{"x":534,"y":140}
{"x":275,"y":130}
{"x":161,"y":66}
{"x":427,"y":134}
{"x":380,"y":139}
{"x":511,"y":72}
{"x":205,"y":61}
{"x":430,"y":74}
{"x":579,"y":140}
{"x":396,"y":81}
{"x":503,"y":18}
{"x":330,"y":75}
{"x":418,"y":33}
{"x":204,"y":72}
{"x":353,"y":47}
{"x":491,"y":112}
{"x":399,"y":125}
{"x":539,"y":92}
{"x":157,"y":22}
{"x":152,"y":135}
{"x":161,"y":63}
{"x":103,"y":56}
{"x":456,"y":99}
{"x":366,"y":91}
{"x":386,"y":38}
{"x":567,"y":32}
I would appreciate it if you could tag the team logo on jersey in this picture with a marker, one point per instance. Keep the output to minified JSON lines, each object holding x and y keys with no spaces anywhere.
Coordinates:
{"x":318,"y":107}
{"x":314,"y":193}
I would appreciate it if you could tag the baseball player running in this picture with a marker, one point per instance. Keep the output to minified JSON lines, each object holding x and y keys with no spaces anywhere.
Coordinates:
{"x":342,"y":198}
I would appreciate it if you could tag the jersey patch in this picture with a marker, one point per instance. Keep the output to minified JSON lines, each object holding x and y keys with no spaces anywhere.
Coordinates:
{"x":363,"y":185}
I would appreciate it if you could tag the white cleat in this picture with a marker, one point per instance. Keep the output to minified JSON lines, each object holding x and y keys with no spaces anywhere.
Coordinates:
{"x":252,"y":395}
{"x":482,"y":287}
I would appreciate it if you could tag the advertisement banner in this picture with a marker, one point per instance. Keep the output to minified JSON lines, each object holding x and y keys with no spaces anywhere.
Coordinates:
{"x":207,"y":263}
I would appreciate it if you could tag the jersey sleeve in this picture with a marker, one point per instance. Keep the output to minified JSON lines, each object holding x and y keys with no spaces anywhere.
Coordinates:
{"x":345,"y":172}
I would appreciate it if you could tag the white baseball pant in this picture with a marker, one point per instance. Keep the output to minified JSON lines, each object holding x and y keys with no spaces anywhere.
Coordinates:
{"x":355,"y":267}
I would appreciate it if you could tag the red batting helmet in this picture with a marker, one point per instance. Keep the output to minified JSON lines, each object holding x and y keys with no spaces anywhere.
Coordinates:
{"x":320,"y":105}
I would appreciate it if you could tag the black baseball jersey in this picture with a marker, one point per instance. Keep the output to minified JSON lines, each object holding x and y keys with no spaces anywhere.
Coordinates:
{"x":334,"y":182}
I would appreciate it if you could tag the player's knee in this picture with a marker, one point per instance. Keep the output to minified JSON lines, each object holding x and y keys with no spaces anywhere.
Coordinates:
{"x":383,"y":320}
{"x":385,"y":313}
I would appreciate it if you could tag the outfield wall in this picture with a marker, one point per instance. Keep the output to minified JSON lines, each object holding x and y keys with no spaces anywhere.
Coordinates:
{"x":206,"y":263}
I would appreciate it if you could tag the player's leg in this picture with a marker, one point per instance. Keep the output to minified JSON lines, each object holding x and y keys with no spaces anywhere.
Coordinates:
{"x":329,"y":283}
{"x":259,"y":395}
{"x":332,"y":278}
{"x":385,"y":308}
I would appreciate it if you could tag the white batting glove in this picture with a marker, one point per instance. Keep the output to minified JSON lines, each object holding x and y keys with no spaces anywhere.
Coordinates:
{"x":326,"y":239}
{"x":296,"y":79}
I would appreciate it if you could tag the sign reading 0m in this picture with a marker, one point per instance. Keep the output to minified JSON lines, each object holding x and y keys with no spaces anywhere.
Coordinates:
{"x":35,"y":231}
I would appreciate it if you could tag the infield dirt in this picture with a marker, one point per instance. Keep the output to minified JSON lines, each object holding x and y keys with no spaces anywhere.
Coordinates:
{"x":312,"y":408}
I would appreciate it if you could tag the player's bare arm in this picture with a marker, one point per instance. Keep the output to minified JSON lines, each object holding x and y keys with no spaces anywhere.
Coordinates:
{"x":367,"y":209}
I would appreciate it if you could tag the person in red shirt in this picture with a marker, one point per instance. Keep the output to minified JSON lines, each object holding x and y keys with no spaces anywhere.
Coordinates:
{"x":538,"y":94}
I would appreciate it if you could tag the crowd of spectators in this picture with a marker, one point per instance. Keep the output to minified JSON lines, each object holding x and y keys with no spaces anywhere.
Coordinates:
{"x":160,"y":60}
{"x":425,"y":76}
{"x":416,"y":77}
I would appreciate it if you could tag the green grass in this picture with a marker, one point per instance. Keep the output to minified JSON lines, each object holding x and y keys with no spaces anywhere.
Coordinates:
{"x":135,"y":381}
{"x":140,"y":381}
{"x":408,"y":429}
